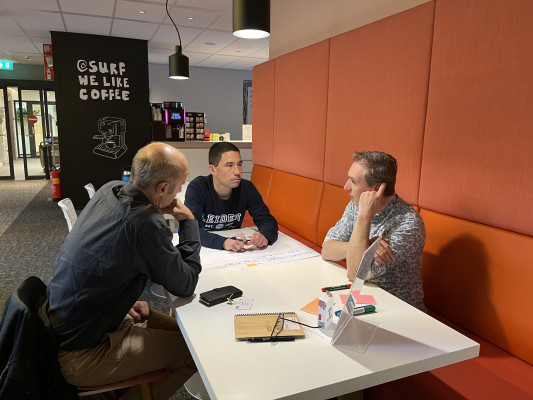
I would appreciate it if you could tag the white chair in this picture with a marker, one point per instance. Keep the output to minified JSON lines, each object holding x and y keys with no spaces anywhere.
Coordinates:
{"x":90,"y":190}
{"x":171,"y":222}
{"x":69,"y":212}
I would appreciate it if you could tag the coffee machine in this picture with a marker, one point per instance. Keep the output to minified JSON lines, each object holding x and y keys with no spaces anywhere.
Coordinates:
{"x":174,"y":120}
{"x":113,"y":136}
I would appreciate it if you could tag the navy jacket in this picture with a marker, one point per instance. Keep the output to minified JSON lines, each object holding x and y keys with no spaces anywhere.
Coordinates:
{"x":215,"y":214}
{"x":118,"y":242}
{"x":28,"y":348}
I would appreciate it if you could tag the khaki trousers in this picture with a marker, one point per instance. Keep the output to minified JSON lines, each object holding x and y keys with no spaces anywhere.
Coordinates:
{"x":133,"y":349}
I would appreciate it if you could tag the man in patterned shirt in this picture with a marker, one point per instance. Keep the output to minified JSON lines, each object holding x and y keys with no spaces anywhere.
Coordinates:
{"x":375,"y":210}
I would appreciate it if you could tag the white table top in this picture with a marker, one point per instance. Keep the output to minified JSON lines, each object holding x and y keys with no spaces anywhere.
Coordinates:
{"x":406,"y":342}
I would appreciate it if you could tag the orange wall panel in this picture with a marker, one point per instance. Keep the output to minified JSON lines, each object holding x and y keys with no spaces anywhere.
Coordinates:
{"x":300,"y":111}
{"x":377,"y":95}
{"x":478,"y":145}
{"x":263,"y":114}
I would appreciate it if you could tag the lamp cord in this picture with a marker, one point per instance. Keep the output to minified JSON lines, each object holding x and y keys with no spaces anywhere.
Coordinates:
{"x":177,"y":30}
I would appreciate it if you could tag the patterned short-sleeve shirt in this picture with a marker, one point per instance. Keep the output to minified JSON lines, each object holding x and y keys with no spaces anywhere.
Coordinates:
{"x":405,"y":228}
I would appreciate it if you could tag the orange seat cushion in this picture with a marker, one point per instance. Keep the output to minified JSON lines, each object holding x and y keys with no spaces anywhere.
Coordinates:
{"x":480,"y":277}
{"x":495,"y":374}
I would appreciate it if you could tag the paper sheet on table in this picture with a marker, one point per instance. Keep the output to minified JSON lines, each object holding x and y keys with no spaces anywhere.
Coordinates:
{"x":311,"y":307}
{"x":359,"y":298}
{"x":221,"y":261}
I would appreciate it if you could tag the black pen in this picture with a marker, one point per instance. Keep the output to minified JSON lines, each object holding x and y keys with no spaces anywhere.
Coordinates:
{"x":237,"y":238}
{"x":271,"y":339}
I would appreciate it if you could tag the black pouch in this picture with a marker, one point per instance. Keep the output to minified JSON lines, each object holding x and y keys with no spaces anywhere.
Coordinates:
{"x":219,"y":295}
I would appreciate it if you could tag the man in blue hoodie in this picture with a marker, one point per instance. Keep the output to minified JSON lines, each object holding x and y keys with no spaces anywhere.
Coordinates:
{"x":220,"y":200}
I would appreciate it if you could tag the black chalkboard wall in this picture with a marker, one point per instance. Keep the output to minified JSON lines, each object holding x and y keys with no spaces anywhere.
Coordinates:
{"x":102,"y":97}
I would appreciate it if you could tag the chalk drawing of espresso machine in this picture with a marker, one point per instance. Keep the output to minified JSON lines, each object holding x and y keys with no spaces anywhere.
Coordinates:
{"x":113,"y":136}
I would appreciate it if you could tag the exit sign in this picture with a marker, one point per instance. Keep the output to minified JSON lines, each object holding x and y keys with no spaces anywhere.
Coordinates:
{"x":6,"y":64}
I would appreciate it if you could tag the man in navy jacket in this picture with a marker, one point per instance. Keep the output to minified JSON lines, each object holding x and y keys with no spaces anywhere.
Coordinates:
{"x":220,"y":200}
{"x":118,"y":242}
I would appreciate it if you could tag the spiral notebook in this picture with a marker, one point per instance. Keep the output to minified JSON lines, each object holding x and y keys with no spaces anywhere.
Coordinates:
{"x":262,"y":325}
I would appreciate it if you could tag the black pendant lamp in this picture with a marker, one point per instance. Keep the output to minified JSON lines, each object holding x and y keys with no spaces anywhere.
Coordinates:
{"x":251,"y":18}
{"x":178,"y":63}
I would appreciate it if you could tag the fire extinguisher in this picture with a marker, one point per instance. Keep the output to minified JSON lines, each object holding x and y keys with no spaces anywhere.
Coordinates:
{"x":55,"y":182}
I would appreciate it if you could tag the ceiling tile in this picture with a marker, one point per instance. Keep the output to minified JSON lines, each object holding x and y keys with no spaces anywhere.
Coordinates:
{"x":244,"y":47}
{"x":224,"y":23}
{"x":167,"y":35}
{"x":130,"y":10}
{"x":88,"y":24}
{"x":40,"y":23}
{"x":133,"y":29}
{"x":29,"y":58}
{"x":217,"y":61}
{"x":202,"y":18}
{"x":211,"y":42}
{"x":220,"y":5}
{"x":17,"y":44}
{"x":245,"y":63}
{"x":8,"y":26}
{"x":92,"y":7}
{"x":50,"y":5}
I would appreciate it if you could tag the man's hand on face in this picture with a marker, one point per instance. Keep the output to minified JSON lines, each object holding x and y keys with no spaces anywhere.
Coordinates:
{"x":178,"y":210}
{"x":372,"y":202}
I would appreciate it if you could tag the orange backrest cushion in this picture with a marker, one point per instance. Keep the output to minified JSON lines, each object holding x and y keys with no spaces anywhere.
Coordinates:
{"x":301,"y":98}
{"x":477,"y":161}
{"x":334,"y":201}
{"x":262,"y":178}
{"x":263,"y":117}
{"x":480,"y":277}
{"x":295,"y":201}
{"x":377,"y":97}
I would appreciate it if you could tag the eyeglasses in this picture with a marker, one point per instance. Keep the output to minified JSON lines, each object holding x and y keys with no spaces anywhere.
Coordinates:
{"x":278,"y":326}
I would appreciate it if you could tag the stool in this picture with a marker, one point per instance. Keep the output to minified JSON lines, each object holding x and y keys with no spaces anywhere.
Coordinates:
{"x":196,"y":388}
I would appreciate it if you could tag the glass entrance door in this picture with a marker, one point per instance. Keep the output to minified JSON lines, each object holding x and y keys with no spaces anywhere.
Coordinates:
{"x":6,"y":161}
{"x":36,"y":131}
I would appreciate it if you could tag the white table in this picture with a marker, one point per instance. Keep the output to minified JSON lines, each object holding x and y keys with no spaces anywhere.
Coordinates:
{"x":407,"y":341}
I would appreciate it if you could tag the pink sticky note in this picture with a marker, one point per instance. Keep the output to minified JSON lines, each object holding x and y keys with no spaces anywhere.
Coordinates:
{"x":359,"y":298}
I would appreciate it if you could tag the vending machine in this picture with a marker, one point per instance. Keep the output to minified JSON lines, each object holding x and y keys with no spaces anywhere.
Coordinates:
{"x":174,"y":119}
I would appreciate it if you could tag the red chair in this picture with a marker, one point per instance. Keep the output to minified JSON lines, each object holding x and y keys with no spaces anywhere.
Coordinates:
{"x":143,"y":381}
